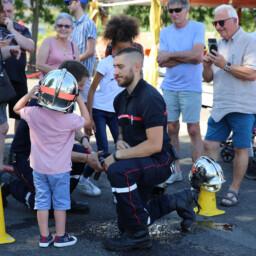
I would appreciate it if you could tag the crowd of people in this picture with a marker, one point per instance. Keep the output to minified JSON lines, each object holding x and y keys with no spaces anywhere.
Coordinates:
{"x":144,"y":124}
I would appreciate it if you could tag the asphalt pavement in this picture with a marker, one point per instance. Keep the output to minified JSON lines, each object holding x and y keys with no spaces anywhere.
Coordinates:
{"x":232,"y":233}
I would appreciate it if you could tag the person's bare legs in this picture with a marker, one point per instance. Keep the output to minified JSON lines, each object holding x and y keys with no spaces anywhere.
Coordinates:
{"x":42,"y":218}
{"x":3,"y":131}
{"x":60,"y":222}
{"x":173,"y":131}
{"x":211,"y":149}
{"x":239,"y":170}
{"x":196,"y":140}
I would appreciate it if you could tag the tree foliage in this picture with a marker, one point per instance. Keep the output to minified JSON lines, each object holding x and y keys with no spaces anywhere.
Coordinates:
{"x":39,"y":11}
{"x":45,"y":7}
{"x":140,"y":12}
{"x":249,"y":20}
{"x":202,"y":14}
{"x":42,"y":11}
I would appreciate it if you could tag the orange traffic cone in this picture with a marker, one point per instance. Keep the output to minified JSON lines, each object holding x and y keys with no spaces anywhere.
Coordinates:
{"x":207,"y":201}
{"x":4,"y":237}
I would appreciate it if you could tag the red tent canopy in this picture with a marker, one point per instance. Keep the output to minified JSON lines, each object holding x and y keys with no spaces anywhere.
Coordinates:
{"x":194,"y":3}
{"x":214,"y":3}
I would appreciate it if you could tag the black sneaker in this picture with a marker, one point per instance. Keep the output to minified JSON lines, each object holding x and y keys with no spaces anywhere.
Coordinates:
{"x":45,"y":241}
{"x":136,"y":238}
{"x":66,"y":240}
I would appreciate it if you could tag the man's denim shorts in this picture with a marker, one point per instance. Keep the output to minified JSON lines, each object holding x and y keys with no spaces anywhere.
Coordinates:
{"x":53,"y":189}
{"x":186,"y":102}
{"x":240,"y":124}
{"x":3,"y":116}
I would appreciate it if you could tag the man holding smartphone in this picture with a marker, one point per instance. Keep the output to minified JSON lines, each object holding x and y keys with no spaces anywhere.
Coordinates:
{"x":181,"y":51}
{"x":233,"y":72}
{"x":15,"y":68}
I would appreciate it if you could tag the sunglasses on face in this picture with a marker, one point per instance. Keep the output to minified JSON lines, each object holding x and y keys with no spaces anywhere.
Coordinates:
{"x":221,"y":22}
{"x":65,"y":26}
{"x":177,"y":10}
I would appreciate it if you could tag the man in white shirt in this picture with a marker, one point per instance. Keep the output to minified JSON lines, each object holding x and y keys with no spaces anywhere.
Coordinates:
{"x":233,"y":72}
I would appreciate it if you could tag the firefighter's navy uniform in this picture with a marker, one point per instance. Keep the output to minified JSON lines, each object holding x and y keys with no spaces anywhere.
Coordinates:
{"x":132,"y":180}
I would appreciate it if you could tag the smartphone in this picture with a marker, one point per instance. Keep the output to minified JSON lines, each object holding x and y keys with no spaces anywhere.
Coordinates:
{"x":9,"y":37}
{"x":212,"y":45}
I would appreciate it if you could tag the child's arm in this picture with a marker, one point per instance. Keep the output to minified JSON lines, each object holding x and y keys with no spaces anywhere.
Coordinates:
{"x":83,"y":110}
{"x":89,"y":129}
{"x":92,"y":90}
{"x":24,"y":100}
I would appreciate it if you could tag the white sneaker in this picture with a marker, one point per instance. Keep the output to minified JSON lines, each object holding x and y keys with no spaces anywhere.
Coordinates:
{"x":88,"y":188}
{"x":176,"y":176}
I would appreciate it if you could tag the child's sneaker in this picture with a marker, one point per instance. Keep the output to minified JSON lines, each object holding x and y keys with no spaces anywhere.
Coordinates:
{"x":45,"y":241}
{"x":66,"y":240}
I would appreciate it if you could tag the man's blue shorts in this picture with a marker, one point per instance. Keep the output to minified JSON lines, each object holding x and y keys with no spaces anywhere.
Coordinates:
{"x":240,"y":124}
{"x":52,"y":189}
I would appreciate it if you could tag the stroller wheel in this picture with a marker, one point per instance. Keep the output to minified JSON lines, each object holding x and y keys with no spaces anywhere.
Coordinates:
{"x":251,"y":170}
{"x":226,"y":156}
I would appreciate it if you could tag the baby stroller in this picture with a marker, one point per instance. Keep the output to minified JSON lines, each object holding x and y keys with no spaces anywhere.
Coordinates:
{"x":227,"y":154}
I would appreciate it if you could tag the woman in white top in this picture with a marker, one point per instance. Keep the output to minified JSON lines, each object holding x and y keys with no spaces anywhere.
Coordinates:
{"x":121,"y":31}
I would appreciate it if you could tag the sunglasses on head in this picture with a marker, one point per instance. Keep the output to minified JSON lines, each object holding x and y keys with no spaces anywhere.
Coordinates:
{"x":221,"y":22}
{"x":177,"y":10}
{"x":65,"y":26}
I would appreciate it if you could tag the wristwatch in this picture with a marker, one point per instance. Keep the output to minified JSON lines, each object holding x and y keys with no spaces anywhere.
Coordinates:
{"x":227,"y":67}
{"x":87,"y":137}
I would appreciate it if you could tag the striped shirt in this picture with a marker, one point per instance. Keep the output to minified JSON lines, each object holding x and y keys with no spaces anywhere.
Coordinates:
{"x":84,"y":28}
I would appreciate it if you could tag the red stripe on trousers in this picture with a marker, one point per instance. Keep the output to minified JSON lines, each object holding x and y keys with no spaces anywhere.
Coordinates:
{"x":130,"y":196}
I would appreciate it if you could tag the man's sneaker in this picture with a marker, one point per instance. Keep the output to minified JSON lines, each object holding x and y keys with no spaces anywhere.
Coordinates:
{"x":135,"y":238}
{"x":45,"y":241}
{"x":176,"y":176}
{"x":88,"y":188}
{"x":66,"y":240}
